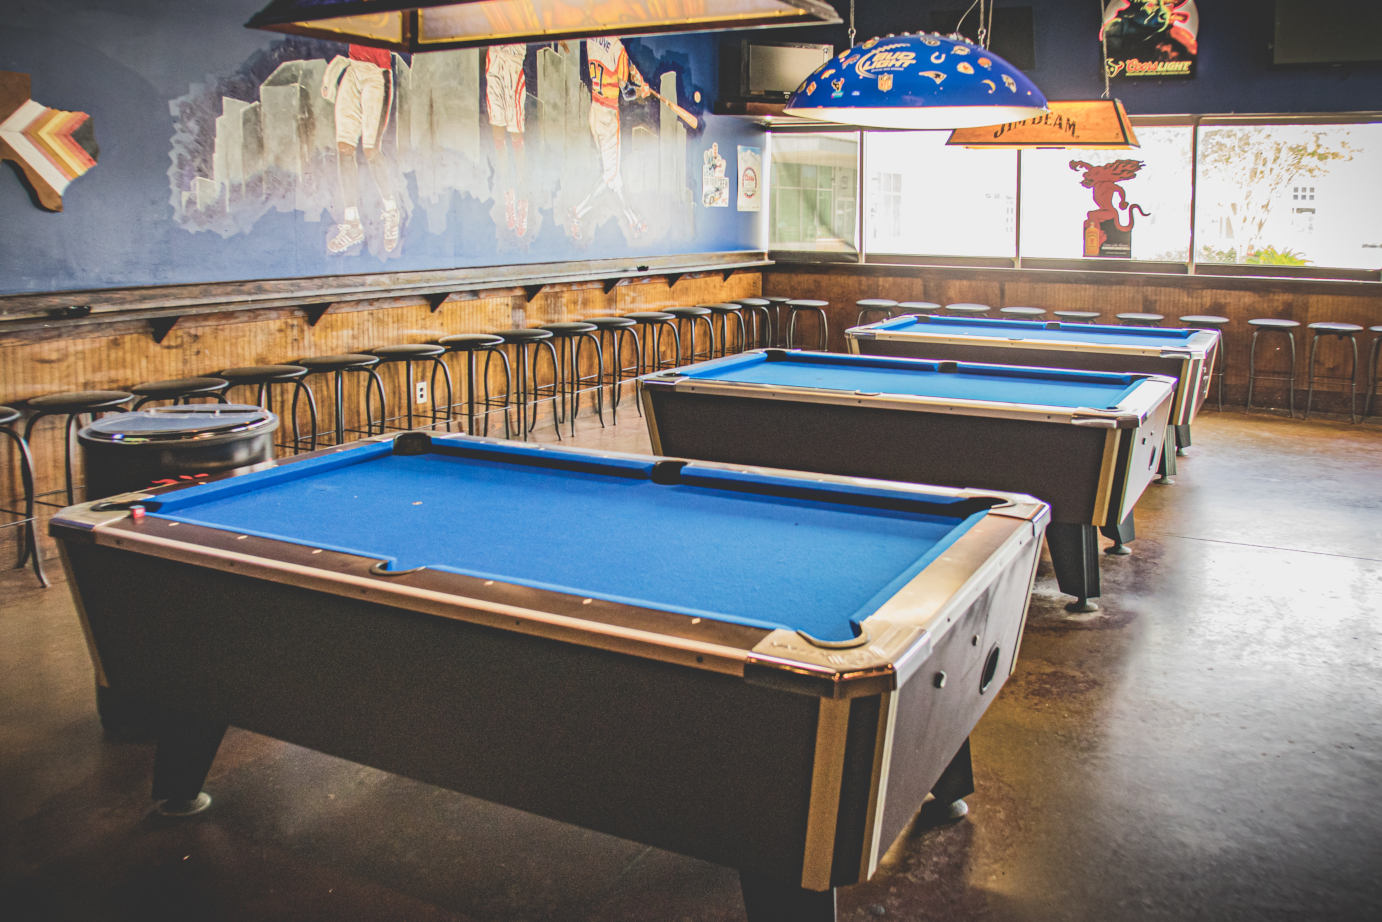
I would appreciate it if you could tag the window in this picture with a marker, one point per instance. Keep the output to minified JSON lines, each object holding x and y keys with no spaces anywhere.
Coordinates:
{"x":1146,"y":189}
{"x":815,"y":181}
{"x":1290,"y":195}
{"x":1273,"y":191}
{"x":935,"y":200}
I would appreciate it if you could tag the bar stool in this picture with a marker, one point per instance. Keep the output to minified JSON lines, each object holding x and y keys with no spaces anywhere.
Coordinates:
{"x":1023,"y":313}
{"x":760,"y":310}
{"x":1211,"y":322}
{"x":528,"y":343}
{"x":615,"y":331}
{"x":73,"y":405}
{"x":28,"y":543}
{"x":1286,"y":328}
{"x":406,"y":354}
{"x":567,"y":338}
{"x":337,"y":366}
{"x":1078,"y":316}
{"x":920,"y":308}
{"x":654,"y":324}
{"x":1341,"y":331}
{"x":775,"y":305}
{"x":180,"y":390}
{"x":1140,"y":319}
{"x":262,"y":378}
{"x":722,"y":312}
{"x":690,"y":314}
{"x":1373,"y":356}
{"x":871,"y":309}
{"x":799,"y":306}
{"x":968,"y":309}
{"x":470,"y":345}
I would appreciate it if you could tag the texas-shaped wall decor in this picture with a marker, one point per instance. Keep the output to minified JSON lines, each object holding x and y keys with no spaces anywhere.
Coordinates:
{"x":49,"y":147}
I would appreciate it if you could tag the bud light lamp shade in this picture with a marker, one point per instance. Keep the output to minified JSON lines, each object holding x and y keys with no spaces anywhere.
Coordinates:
{"x":915,"y":82}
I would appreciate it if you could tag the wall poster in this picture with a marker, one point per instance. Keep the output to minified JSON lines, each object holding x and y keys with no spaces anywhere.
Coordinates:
{"x":750,"y":178}
{"x":1150,"y":38}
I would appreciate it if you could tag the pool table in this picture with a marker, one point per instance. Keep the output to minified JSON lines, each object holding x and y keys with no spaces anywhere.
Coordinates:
{"x":1087,"y":443}
{"x":758,"y":668}
{"x":1187,"y":355}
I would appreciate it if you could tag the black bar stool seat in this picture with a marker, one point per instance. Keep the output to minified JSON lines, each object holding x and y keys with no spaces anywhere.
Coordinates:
{"x":614,"y":331}
{"x":969,"y":309}
{"x":1141,"y":318}
{"x":568,"y":336}
{"x":23,"y":518}
{"x":871,"y":309}
{"x":1211,"y":322}
{"x":1283,"y":327}
{"x":262,"y":378}
{"x":816,"y":308}
{"x":406,"y":354}
{"x":528,"y":343}
{"x":1078,"y":316}
{"x":691,"y":314}
{"x":1023,"y":313}
{"x":760,"y":311}
{"x":1341,"y":331}
{"x":337,"y":365}
{"x":470,"y":345}
{"x":180,"y":390}
{"x":920,"y":308}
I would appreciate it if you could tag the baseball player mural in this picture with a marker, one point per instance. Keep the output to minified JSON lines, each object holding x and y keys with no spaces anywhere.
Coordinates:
{"x":361,"y":86}
{"x":610,"y":72}
{"x":505,"y":90}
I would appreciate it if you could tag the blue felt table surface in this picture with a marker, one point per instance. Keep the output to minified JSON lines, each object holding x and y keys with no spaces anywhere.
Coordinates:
{"x":1152,"y":337}
{"x":766,"y":561}
{"x":921,"y":378}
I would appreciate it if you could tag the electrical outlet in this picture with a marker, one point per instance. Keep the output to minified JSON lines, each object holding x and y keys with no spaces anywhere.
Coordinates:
{"x":421,"y":390}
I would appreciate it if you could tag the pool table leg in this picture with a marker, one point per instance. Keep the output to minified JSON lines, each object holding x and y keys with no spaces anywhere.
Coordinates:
{"x":1121,"y":534}
{"x":1168,"y":457}
{"x":954,"y":785}
{"x":1075,"y":557}
{"x":186,"y":747}
{"x":772,"y":900}
{"x":1182,"y":439}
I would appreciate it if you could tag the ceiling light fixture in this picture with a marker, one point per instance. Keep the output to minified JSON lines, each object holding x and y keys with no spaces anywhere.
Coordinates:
{"x":916,"y":81}
{"x":432,"y":25}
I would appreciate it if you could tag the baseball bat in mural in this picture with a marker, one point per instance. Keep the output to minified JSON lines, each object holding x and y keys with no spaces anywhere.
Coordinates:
{"x":680,"y":112}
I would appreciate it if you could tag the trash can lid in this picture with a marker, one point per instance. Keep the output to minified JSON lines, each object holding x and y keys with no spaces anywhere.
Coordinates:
{"x":179,"y":423}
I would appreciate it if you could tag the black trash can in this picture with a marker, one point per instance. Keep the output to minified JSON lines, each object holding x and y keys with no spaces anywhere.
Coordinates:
{"x":124,"y":452}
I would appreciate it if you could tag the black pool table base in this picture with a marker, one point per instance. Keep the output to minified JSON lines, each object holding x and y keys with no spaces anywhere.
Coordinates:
{"x":1074,"y":551}
{"x":187,"y":746}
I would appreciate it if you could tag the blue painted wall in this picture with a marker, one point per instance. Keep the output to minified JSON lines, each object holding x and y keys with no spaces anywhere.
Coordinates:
{"x":156,"y":209}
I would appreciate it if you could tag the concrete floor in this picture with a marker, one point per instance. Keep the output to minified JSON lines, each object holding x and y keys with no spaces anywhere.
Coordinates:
{"x":1207,"y":746}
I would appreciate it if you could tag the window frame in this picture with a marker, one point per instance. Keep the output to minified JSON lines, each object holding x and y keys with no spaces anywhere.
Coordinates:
{"x":1189,"y":267}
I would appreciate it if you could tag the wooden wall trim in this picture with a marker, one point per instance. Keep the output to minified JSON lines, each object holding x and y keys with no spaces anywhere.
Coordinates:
{"x":70,"y":309}
{"x":1206,"y":281}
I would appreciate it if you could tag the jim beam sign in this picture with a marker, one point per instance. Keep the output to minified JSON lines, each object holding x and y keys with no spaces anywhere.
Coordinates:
{"x":1150,"y":38}
{"x":1090,"y":124}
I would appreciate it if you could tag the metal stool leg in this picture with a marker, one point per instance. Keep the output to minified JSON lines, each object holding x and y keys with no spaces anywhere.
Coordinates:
{"x":28,"y":548}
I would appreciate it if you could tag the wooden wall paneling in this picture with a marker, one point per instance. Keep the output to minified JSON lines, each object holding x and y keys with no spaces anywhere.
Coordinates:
{"x":1112,"y":293}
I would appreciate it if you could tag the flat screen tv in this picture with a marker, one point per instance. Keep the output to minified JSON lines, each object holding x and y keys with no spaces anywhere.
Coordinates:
{"x":1330,"y":32}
